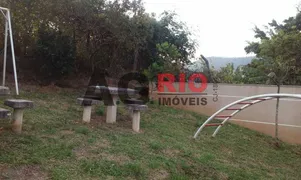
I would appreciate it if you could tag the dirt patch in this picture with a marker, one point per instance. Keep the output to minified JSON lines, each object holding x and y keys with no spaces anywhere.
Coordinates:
{"x":58,"y":135}
{"x":86,"y":152}
{"x":66,"y":132}
{"x":102,"y":144}
{"x":171,"y":152}
{"x":82,"y":153}
{"x":159,"y":175}
{"x":120,"y":159}
{"x":189,"y":116}
{"x":23,"y":173}
{"x":226,"y":150}
{"x":97,"y":120}
{"x":49,"y":89}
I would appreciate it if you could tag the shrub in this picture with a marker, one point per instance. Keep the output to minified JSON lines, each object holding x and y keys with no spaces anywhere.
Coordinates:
{"x":55,"y":53}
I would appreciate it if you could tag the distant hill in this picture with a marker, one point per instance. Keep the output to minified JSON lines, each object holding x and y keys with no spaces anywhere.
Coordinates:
{"x":219,"y":62}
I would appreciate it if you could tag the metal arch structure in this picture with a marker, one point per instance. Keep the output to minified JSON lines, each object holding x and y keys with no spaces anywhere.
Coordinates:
{"x":8,"y":32}
{"x":245,"y":102}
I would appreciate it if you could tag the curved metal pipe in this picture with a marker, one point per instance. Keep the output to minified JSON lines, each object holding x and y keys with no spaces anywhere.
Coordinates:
{"x":3,"y":8}
{"x":235,"y":112}
{"x":268,"y":96}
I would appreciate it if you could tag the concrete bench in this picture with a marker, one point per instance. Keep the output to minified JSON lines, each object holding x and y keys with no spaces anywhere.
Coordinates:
{"x":135,"y":112}
{"x":4,"y":113}
{"x":4,"y":91}
{"x":18,"y":105}
{"x":87,"y":104}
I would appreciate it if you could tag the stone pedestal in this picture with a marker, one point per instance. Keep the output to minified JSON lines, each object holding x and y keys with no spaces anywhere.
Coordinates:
{"x":136,"y":108}
{"x":87,"y":114}
{"x":17,"y":120}
{"x":19,"y":105}
{"x":4,"y":91}
{"x":136,"y":121}
{"x":87,"y":104}
{"x":112,"y":111}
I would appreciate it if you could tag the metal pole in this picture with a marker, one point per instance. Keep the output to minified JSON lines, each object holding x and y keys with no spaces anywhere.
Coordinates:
{"x":13,"y":52}
{"x":5,"y":50}
{"x":4,"y":8}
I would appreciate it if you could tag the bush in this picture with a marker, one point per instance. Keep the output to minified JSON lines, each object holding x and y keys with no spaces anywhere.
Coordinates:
{"x":55,"y":54}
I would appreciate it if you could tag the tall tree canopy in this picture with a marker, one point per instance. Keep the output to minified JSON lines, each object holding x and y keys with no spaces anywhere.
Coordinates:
{"x":277,"y":51}
{"x":278,"y":55}
{"x":115,"y":35}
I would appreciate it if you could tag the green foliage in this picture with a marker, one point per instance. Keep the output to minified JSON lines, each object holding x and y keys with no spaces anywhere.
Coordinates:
{"x":100,"y":111}
{"x":55,"y":53}
{"x":118,"y":35}
{"x":168,"y":61}
{"x":226,"y":74}
{"x":82,"y":130}
{"x":153,"y":70}
{"x":252,"y":73}
{"x":277,"y":51}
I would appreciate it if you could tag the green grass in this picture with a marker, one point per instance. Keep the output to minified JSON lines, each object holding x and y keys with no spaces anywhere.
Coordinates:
{"x":56,"y":145}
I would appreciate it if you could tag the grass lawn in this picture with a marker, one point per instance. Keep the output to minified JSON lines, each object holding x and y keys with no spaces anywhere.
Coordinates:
{"x":56,"y":145}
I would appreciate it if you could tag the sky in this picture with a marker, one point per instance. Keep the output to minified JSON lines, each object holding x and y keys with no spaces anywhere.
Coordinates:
{"x":223,"y":27}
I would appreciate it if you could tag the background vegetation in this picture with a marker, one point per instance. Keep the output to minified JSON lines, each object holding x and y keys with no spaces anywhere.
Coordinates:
{"x":54,"y":38}
{"x":277,"y":60}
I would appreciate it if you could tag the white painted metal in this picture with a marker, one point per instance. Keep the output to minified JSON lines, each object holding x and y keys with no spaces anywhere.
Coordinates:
{"x":8,"y":28}
{"x":5,"y":9}
{"x":264,"y":96}
{"x":13,"y":52}
{"x":237,"y":111}
{"x":5,"y":53}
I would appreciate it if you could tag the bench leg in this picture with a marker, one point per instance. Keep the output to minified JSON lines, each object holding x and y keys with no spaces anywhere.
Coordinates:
{"x":112,"y":111}
{"x":87,"y":114}
{"x":136,"y":121}
{"x":17,"y":120}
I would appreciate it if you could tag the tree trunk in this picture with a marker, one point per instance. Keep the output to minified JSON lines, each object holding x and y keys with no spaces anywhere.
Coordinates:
{"x":277,"y":111}
{"x":208,"y":67}
{"x":88,"y":40}
{"x":136,"y":59}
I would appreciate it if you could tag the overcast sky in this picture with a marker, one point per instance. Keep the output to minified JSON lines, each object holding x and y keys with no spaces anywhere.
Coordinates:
{"x":224,"y":26}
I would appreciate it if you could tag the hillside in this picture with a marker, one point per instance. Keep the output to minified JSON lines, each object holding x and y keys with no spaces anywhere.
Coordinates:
{"x":56,"y":145}
{"x":218,"y":62}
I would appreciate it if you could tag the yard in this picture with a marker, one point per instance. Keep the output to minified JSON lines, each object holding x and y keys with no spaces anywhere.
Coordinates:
{"x":56,"y":145}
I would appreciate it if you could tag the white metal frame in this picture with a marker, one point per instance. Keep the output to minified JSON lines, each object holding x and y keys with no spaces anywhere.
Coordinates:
{"x":256,"y":99}
{"x":8,"y":31}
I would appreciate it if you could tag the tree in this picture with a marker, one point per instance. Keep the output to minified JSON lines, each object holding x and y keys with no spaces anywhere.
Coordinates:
{"x":57,"y":52}
{"x":278,"y":54}
{"x":226,"y":74}
{"x":118,"y":35}
{"x":167,"y":62}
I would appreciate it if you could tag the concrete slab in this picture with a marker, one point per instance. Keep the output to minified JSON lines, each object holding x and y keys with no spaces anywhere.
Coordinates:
{"x":87,"y":102}
{"x":4,"y":91}
{"x":4,"y":113}
{"x":137,"y":107}
{"x":18,"y":103}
